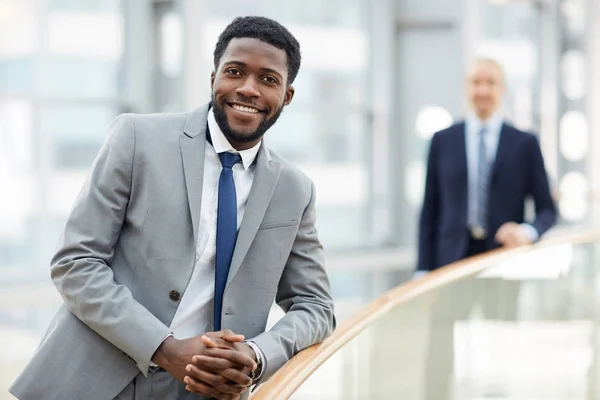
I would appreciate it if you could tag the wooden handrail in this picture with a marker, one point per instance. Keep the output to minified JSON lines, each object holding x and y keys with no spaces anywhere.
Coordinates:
{"x":289,"y":378}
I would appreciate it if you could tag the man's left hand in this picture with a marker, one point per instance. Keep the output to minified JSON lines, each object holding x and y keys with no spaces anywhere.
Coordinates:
{"x":512,"y":234}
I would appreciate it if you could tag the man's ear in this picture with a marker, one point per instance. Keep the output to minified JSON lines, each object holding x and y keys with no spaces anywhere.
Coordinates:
{"x":289,"y":95}
{"x":212,"y":79}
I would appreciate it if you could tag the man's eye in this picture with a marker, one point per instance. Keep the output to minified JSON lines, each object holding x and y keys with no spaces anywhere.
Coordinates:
{"x":270,"y":79}
{"x":233,"y":72}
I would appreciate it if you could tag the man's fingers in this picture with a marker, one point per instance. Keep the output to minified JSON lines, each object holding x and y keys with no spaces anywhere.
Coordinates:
{"x":229,"y":380}
{"x":504,"y":231}
{"x":237,"y":376}
{"x":200,"y":388}
{"x":500,"y":234}
{"x":221,"y":383}
{"x":213,"y":342}
{"x":219,"y":359}
{"x":234,"y":338}
{"x":229,"y":358}
{"x":208,"y":341}
{"x":210,"y":378}
{"x":213,"y":363}
{"x":231,"y":336}
{"x":511,"y":240}
{"x":513,"y":236}
{"x":226,"y":334}
{"x":504,"y":234}
{"x":206,"y":391}
{"x":500,"y":239}
{"x":235,"y":356}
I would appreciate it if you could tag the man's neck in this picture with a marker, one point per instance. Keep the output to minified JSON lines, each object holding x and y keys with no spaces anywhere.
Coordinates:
{"x":484,"y":117}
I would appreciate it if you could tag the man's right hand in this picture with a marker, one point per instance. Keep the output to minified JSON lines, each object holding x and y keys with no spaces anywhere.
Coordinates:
{"x":512,"y":234}
{"x":175,"y":356}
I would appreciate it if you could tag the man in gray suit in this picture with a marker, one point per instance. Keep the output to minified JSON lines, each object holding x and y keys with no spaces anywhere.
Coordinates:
{"x":186,"y":231}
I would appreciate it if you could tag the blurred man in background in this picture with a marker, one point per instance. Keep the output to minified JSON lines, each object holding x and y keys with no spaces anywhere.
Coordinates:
{"x":479,"y":173}
{"x":186,"y":231}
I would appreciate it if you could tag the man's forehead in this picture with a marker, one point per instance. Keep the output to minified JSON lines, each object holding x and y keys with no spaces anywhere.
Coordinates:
{"x":484,"y":66}
{"x":254,"y":48}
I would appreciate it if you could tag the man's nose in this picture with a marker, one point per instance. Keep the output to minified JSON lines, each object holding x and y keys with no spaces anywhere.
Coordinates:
{"x":249,"y":88}
{"x":483,"y":90}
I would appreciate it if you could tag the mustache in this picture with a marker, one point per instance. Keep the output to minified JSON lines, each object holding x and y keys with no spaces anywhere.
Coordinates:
{"x":249,"y":101}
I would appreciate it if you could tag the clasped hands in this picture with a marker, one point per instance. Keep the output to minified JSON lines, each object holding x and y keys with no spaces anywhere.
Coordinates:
{"x":215,"y":364}
{"x":512,"y":234}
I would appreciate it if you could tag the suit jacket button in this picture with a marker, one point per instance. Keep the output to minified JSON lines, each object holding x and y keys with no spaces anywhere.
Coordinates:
{"x":174,"y":295}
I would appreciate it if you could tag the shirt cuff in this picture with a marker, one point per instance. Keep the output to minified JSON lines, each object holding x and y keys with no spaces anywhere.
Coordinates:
{"x":166,"y":337}
{"x":260,"y":357}
{"x":531,"y":232}
{"x":419,"y":273}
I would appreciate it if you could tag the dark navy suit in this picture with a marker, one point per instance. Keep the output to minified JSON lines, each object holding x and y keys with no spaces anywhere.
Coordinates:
{"x":517,"y":172}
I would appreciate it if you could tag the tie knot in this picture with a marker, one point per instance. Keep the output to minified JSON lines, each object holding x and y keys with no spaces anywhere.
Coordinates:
{"x":483,"y":131}
{"x":228,"y":160}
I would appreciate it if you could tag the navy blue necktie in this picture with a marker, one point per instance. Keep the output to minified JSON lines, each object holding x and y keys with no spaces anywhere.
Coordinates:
{"x":226,"y":230}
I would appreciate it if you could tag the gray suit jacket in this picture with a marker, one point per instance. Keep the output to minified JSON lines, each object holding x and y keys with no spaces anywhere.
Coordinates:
{"x":131,"y":240}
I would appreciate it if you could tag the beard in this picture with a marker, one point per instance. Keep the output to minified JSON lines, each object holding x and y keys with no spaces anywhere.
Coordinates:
{"x":243,"y":137}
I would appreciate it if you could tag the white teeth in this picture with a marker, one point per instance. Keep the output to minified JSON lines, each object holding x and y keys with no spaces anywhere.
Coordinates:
{"x":245,"y":109}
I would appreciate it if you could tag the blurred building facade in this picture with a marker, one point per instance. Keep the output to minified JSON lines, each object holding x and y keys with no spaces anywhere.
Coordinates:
{"x":377,"y":79}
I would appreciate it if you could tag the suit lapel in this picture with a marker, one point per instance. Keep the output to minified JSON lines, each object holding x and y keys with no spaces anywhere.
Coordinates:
{"x":461,"y":149}
{"x":192,"y":146}
{"x":503,"y":151}
{"x":461,"y":156}
{"x":265,"y":181}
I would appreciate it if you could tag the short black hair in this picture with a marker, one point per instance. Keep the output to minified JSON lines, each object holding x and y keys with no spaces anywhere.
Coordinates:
{"x":266,"y":30}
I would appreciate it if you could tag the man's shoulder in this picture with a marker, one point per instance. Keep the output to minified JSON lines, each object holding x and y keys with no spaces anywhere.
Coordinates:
{"x":158,"y":127}
{"x":519,"y":133}
{"x":454,"y":129}
{"x":157,"y":120}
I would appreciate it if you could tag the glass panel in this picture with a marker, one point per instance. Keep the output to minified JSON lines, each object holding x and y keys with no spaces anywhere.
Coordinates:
{"x":524,"y":329}
{"x":58,"y":90}
{"x":340,"y":13}
{"x":17,"y":183}
{"x":16,"y":77}
{"x":94,"y":35}
{"x":75,"y":134}
{"x":79,"y":78}
{"x":19,"y":28}
{"x":25,"y":313}
{"x":84,"y":5}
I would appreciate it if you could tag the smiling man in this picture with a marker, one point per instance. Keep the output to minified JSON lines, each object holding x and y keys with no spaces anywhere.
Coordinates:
{"x":186,"y":231}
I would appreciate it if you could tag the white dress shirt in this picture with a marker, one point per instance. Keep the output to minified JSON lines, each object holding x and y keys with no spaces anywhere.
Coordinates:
{"x":195,"y":313}
{"x":473,"y":126}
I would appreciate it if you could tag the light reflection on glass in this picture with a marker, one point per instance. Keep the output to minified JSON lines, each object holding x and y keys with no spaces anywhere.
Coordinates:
{"x":574,"y":136}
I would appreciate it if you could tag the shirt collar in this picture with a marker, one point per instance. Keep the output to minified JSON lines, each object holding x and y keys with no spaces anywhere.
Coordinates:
{"x":222,"y":145}
{"x":493,"y":123}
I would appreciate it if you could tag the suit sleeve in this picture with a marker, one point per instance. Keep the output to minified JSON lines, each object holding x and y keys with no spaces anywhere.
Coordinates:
{"x":545,"y":207}
{"x":81,"y":268}
{"x":429,"y":212}
{"x":304,"y":294}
